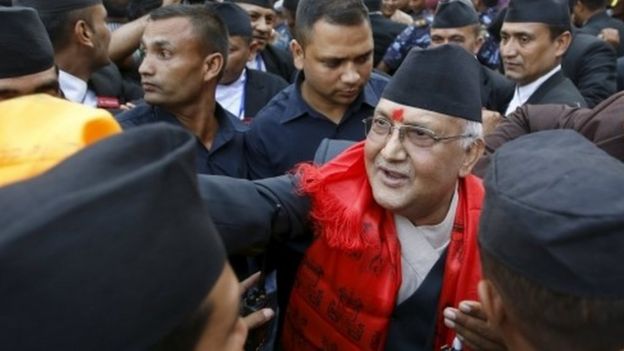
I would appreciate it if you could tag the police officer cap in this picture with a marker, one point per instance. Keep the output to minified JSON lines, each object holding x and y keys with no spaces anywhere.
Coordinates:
{"x":235,"y":18}
{"x":56,"y":6}
{"x":25,"y":43}
{"x":551,"y":12}
{"x":262,"y":3}
{"x":445,"y":79}
{"x":455,"y":14}
{"x":109,"y":250}
{"x":554,"y":213}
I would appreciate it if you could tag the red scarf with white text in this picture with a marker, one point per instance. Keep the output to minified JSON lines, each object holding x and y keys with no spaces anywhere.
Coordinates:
{"x":348,"y":281}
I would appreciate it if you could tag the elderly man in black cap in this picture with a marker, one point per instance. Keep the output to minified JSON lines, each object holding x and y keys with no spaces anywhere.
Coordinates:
{"x":186,"y":49}
{"x":396,"y":217}
{"x":552,"y":244}
{"x":268,"y":57}
{"x":95,"y":257}
{"x":27,"y":66}
{"x":242,"y":91}
{"x":534,"y":37}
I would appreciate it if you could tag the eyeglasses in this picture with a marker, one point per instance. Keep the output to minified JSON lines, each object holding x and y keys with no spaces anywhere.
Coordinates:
{"x":378,"y":129}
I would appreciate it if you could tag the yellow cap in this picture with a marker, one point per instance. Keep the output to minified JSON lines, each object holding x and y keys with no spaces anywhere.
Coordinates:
{"x":39,"y":131}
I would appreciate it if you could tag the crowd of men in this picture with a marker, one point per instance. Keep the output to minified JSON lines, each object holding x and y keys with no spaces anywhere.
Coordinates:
{"x":404,"y":175}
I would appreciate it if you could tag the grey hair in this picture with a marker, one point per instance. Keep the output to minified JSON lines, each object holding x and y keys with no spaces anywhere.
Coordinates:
{"x":474,"y":130}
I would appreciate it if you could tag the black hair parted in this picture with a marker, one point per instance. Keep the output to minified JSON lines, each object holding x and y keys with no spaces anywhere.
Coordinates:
{"x":343,"y":13}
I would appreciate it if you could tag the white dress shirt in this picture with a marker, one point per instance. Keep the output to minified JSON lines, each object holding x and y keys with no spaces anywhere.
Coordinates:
{"x":232,"y":96}
{"x":421,"y":247}
{"x":76,"y":90}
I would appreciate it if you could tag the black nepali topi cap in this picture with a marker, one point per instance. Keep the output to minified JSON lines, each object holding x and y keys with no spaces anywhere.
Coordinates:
{"x":109,"y":250}
{"x":56,"y":6}
{"x":262,"y":3}
{"x":551,"y":12}
{"x":235,"y":18}
{"x":26,"y":46}
{"x":455,"y":14}
{"x":445,"y":79}
{"x":291,"y":5}
{"x":554,"y":213}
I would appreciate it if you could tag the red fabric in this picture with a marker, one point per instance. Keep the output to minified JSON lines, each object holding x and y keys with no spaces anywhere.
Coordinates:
{"x":347,"y":284}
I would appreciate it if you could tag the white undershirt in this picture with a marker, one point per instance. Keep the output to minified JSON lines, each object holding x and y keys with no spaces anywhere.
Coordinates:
{"x":76,"y":90}
{"x":421,"y":247}
{"x":231,"y":96}
{"x":523,"y":93}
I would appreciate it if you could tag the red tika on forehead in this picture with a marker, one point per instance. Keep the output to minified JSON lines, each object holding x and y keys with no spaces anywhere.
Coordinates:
{"x":397,"y":115}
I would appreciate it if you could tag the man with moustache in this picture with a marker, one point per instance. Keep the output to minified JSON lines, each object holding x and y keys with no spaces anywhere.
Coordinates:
{"x":332,"y":94}
{"x":268,"y":57}
{"x":534,"y":37}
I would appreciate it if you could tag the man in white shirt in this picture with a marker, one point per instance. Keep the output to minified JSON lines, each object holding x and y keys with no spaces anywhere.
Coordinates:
{"x":534,"y":37}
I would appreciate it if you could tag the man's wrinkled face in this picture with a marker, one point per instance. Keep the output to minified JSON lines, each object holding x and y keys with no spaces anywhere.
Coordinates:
{"x":389,"y":7}
{"x":337,"y":62}
{"x":262,"y":21}
{"x":528,"y":51}
{"x":172,"y":69}
{"x":467,"y":37}
{"x":409,"y":180}
{"x":44,"y":82}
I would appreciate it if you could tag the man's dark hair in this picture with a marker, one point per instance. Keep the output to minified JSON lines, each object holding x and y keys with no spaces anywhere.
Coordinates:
{"x":207,"y":25}
{"x":185,"y":336}
{"x":490,"y":3}
{"x":557,"y":321}
{"x":556,"y":31}
{"x":60,"y":26}
{"x":342,"y":13}
{"x":116,"y":8}
{"x":291,"y":5}
{"x":594,"y":5}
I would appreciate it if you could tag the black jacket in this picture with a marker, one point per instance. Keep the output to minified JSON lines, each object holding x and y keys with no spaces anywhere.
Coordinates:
{"x":557,"y":90}
{"x":279,"y":62}
{"x":602,"y":20}
{"x":590,"y":63}
{"x":496,"y":90}
{"x":108,"y":82}
{"x":260,"y":87}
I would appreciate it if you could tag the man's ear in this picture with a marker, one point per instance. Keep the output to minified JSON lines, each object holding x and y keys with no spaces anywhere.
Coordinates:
{"x":213,"y":65}
{"x":473,"y":154}
{"x":297,"y":53}
{"x":83,"y":33}
{"x":562,"y":43}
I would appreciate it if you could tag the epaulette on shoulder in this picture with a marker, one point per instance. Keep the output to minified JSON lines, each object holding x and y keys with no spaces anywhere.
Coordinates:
{"x":419,"y":23}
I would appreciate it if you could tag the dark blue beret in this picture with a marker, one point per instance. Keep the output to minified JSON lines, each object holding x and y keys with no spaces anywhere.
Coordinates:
{"x":455,"y":14}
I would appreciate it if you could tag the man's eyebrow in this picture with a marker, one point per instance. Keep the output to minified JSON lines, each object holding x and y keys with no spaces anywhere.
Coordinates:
{"x":7,"y":91}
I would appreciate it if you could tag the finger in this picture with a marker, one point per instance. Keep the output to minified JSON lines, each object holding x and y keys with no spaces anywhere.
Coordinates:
{"x":258,"y":318}
{"x":473,"y":308}
{"x":250,"y":281}
{"x":477,"y":333}
{"x":477,"y":342}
